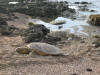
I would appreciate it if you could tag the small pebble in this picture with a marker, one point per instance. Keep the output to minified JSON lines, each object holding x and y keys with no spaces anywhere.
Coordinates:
{"x":82,"y":42}
{"x":74,"y":74}
{"x":89,"y":70}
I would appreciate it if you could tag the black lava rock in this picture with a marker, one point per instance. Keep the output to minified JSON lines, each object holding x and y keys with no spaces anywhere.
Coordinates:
{"x":2,"y":22}
{"x":89,"y":70}
{"x":51,"y":39}
{"x":35,"y":33}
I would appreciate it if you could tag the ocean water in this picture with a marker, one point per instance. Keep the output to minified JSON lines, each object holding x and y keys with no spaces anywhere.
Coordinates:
{"x":79,"y":22}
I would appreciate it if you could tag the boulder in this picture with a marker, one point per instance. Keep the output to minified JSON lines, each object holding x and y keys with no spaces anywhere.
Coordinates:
{"x":9,"y":30}
{"x":51,"y":39}
{"x":96,"y":42}
{"x":35,"y":33}
{"x":2,"y":22}
{"x":84,"y":2}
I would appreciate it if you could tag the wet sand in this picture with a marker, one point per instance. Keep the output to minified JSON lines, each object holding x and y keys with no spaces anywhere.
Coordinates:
{"x":78,"y":58}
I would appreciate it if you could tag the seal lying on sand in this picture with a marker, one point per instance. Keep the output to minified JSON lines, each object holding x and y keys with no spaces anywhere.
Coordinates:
{"x":40,"y":48}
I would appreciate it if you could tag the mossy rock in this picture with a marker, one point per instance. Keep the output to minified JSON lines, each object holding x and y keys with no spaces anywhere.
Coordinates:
{"x":31,"y":24}
{"x":96,"y":36}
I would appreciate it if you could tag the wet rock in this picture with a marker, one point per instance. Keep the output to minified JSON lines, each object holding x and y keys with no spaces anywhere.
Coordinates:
{"x":74,"y":74}
{"x":82,"y":41}
{"x":92,"y":10}
{"x":76,"y":2}
{"x":96,"y":36}
{"x":34,"y":37}
{"x":9,"y":30}
{"x":6,"y":29}
{"x":89,"y":70}
{"x":84,"y":3}
{"x":2,"y":22}
{"x":51,"y":39}
{"x":96,"y":42}
{"x":3,"y":10}
{"x":84,"y":9}
{"x":74,"y":37}
{"x":65,"y":2}
{"x":35,"y":33}
{"x":60,"y":34}
{"x":46,"y":9}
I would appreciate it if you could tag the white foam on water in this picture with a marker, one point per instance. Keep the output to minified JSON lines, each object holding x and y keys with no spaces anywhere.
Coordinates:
{"x":70,"y":24}
{"x":13,"y":2}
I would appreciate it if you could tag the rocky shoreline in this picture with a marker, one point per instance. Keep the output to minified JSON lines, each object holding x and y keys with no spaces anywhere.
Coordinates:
{"x":81,"y":54}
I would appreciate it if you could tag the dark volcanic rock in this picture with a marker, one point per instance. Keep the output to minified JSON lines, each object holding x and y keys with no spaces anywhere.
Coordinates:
{"x":45,"y":9}
{"x":84,"y":2}
{"x":6,"y":29}
{"x":96,"y":42}
{"x":76,"y":2}
{"x":3,"y":10}
{"x":9,"y":30}
{"x":35,"y":33}
{"x":2,"y":22}
{"x":39,"y":33}
{"x":51,"y":39}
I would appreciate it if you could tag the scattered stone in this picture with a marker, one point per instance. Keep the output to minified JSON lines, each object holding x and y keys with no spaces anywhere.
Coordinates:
{"x":60,"y":27}
{"x":6,"y":29}
{"x":96,"y":36}
{"x":51,"y":39}
{"x":9,"y":30}
{"x":61,"y":34}
{"x":82,"y":41}
{"x":74,"y":74}
{"x":35,"y":33}
{"x":2,"y":22}
{"x":92,"y":10}
{"x":40,"y":49}
{"x":89,"y":70}
{"x":76,"y":2}
{"x":84,"y":3}
{"x":96,"y":43}
{"x":84,"y":9}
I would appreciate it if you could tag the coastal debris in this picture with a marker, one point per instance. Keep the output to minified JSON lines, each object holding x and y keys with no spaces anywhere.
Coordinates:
{"x":40,"y":49}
